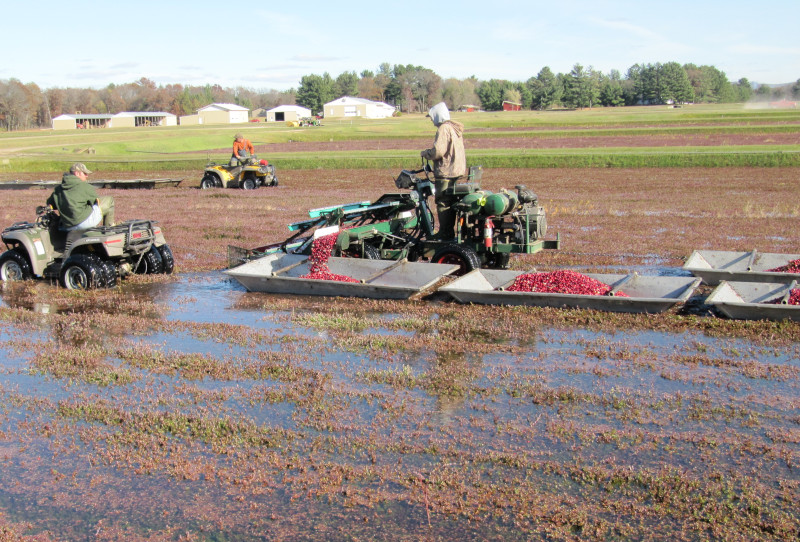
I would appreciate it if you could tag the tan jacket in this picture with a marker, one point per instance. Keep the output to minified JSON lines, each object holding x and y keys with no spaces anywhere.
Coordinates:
{"x":447,"y":154}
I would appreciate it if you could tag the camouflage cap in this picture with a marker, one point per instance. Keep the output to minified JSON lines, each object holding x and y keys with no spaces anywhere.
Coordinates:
{"x":238,"y":136}
{"x":76,"y":167}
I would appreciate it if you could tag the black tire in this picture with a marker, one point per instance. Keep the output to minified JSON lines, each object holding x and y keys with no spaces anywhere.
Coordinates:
{"x":249,"y":184}
{"x":498,"y":260}
{"x":464,"y":257}
{"x":209,"y":181}
{"x":14,"y":266}
{"x":167,"y":261}
{"x":151,"y":263}
{"x":109,"y":270}
{"x":370,"y":252}
{"x":82,"y":272}
{"x":274,"y":182}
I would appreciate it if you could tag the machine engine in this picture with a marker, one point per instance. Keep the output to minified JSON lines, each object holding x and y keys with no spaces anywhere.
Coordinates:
{"x":512,"y":218}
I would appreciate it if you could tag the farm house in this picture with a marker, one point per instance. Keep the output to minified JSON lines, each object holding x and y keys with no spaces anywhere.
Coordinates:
{"x":127,"y":119}
{"x":511,"y":106}
{"x":287,"y":113}
{"x":218,"y":113}
{"x":348,"y":106}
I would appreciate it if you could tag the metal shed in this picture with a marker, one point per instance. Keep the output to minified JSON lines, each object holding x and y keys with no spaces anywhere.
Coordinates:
{"x":348,"y":106}
{"x":284,"y":113}
{"x":127,"y":119}
{"x":222,"y":114}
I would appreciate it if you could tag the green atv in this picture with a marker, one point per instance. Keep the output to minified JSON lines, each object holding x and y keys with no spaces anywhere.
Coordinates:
{"x":248,"y":174}
{"x":82,"y":260}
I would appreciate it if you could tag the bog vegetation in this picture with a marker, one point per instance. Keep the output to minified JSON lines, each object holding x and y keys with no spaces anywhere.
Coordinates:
{"x":182,"y":408}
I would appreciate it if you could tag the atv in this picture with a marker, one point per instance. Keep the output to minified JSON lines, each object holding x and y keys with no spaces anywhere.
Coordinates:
{"x":248,"y":174}
{"x":84,"y":259}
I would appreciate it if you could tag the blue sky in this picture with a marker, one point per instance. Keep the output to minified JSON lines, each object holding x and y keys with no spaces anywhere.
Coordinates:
{"x":271,"y":45}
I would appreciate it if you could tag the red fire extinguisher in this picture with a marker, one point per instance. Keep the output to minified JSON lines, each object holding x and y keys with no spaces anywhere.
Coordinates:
{"x":487,"y":233}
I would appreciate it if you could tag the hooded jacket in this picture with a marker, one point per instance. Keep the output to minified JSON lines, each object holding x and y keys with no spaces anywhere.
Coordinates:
{"x":73,"y":199}
{"x":447,"y":154}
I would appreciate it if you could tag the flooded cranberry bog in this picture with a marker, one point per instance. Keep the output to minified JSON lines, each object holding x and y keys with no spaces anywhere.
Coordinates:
{"x":184,"y":408}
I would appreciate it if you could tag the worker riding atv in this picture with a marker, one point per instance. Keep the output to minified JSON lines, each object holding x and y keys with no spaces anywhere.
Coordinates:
{"x":244,"y":170}
{"x":248,"y":174}
{"x":82,"y":259}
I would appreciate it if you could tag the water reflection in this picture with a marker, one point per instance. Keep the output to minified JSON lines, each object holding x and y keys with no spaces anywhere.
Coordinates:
{"x":240,"y":417}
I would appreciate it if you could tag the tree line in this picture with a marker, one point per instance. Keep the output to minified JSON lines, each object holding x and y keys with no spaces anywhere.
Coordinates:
{"x":409,"y":88}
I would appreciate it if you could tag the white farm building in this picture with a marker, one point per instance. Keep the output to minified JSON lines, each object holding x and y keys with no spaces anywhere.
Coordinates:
{"x":218,"y":114}
{"x":348,"y":106}
{"x":287,"y":113}
{"x":127,"y":119}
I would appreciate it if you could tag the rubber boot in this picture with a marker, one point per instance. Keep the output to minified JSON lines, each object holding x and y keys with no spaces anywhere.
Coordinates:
{"x":447,"y":220}
{"x":444,"y":210}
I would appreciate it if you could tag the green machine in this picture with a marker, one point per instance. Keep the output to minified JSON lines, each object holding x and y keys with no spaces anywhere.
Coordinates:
{"x":490,"y":226}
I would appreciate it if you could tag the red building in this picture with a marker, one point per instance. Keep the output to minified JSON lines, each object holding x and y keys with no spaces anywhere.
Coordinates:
{"x":511,"y":106}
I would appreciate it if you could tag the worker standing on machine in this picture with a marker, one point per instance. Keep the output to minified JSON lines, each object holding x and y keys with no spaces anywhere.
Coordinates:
{"x":449,"y":165}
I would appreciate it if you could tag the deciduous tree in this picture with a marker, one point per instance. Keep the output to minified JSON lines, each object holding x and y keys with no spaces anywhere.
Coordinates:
{"x":457,"y":92}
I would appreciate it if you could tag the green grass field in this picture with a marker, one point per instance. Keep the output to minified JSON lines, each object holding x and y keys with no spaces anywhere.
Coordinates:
{"x":584,"y":137}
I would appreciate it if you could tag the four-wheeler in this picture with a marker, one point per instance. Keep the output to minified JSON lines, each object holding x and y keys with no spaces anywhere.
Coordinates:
{"x":86,"y":259}
{"x":248,"y":174}
{"x":490,"y":226}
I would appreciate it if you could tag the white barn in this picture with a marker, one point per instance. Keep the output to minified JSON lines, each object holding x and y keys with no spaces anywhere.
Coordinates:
{"x":218,"y":114}
{"x":347,"y":106}
{"x":287,"y":113}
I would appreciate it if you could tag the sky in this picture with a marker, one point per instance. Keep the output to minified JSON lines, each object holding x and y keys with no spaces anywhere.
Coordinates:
{"x":263,"y":45}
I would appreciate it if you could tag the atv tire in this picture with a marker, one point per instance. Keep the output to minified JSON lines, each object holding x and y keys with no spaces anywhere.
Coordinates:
{"x":249,"y":184}
{"x":109,"y":270}
{"x":151,"y":263}
{"x":167,"y":261}
{"x":209,"y":181}
{"x":14,"y":266}
{"x":274,"y":182}
{"x":82,"y":272}
{"x":464,"y":257}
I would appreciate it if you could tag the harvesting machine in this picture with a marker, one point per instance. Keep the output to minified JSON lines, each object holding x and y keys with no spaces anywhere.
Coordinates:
{"x":490,"y":226}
